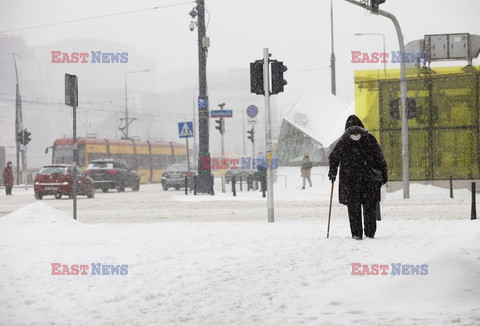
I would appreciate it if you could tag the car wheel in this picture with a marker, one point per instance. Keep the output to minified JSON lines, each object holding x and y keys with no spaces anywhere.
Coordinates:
{"x":136,"y":187}
{"x":120,"y":187}
{"x":177,"y":188}
{"x":91,"y":194}
{"x":58,"y":195}
{"x":38,"y":196}
{"x":105,"y":189}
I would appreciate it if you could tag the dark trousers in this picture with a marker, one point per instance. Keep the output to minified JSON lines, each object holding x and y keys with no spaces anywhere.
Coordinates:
{"x":369,"y":218}
{"x":8,"y":190}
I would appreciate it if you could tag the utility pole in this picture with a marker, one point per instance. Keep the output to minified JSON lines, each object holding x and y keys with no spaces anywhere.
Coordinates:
{"x":18,"y":118}
{"x":204,"y":175}
{"x":403,"y":90}
{"x":127,"y":120}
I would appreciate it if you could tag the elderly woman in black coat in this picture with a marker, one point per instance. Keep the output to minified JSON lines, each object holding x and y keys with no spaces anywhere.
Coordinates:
{"x":363,"y":170}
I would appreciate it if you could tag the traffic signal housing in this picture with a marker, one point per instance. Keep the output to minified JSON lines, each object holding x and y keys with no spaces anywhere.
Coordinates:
{"x":20,"y":136}
{"x":252,"y":135}
{"x":221,"y":125}
{"x":374,"y":4}
{"x":256,"y":77}
{"x":278,"y":82}
{"x":26,"y":137}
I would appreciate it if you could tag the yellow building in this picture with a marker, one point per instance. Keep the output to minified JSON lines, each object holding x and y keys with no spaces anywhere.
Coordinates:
{"x":443,"y":119}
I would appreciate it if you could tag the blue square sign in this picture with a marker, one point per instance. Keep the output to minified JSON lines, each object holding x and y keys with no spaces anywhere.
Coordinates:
{"x":185,"y":129}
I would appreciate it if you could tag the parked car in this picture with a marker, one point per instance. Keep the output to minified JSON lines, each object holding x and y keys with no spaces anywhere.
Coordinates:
{"x":57,"y":180}
{"x":174,"y":176}
{"x":113,"y":174}
{"x":238,"y":173}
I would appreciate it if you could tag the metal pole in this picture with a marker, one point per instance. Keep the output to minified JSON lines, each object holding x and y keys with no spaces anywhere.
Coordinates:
{"x":126,"y":107}
{"x":268,"y":134}
{"x":223,"y":156}
{"x":126,"y":101}
{"x":403,"y":98}
{"x":74,"y":162}
{"x":473,"y":214}
{"x":384,"y":60}
{"x":25,"y":169}
{"x":332,"y":57}
{"x":188,"y":156}
{"x":244,"y":134}
{"x":204,"y":175}
{"x":18,"y":118}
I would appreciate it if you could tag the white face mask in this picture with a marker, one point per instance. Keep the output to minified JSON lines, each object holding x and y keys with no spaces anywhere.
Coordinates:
{"x":356,"y":137}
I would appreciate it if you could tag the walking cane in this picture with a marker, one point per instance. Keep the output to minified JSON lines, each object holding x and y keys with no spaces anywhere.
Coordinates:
{"x":330,"y":210}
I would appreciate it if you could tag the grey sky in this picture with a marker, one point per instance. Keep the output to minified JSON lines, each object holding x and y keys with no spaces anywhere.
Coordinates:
{"x":297,"y":32}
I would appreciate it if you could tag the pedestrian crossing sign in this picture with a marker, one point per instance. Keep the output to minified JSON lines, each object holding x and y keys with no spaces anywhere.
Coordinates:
{"x":185,"y":129}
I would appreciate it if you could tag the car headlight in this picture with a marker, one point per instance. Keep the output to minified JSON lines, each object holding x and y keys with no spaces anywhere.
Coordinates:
{"x":65,"y":183}
{"x":36,"y":182}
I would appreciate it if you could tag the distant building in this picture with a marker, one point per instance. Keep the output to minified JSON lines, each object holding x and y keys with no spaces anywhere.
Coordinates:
{"x":311,"y":127}
{"x":443,"y":119}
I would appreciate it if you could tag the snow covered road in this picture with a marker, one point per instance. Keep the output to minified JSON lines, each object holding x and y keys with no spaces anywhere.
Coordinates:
{"x":216,"y":261}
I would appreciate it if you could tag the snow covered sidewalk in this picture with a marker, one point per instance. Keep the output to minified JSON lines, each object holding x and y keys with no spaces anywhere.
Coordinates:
{"x":238,"y":273}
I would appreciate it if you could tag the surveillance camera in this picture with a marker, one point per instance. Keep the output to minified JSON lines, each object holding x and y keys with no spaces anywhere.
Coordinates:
{"x":192,"y":26}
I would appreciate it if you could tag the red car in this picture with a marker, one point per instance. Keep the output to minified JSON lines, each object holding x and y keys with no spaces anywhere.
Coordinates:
{"x":57,"y":180}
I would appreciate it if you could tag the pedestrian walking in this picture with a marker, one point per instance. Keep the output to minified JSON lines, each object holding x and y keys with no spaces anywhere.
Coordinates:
{"x":305,"y":170}
{"x":8,"y":178}
{"x":363,"y":171}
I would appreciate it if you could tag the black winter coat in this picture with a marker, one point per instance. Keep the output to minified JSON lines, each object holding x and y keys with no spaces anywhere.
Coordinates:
{"x":356,"y":159}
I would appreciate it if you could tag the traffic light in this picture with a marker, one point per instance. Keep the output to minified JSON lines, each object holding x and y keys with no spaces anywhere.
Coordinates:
{"x":20,"y":137}
{"x":374,"y":5}
{"x":252,"y":135}
{"x":411,"y":108}
{"x":26,"y":137}
{"x":277,"y":76}
{"x":221,"y":125}
{"x":256,"y":77}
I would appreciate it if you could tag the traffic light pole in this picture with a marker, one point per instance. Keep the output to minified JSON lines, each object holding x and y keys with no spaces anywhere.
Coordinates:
{"x":268,"y":134}
{"x":403,"y":97}
{"x":25,"y":166}
{"x":223,"y":156}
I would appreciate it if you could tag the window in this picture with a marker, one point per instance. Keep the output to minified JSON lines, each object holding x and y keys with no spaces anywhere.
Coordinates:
{"x":50,"y":170}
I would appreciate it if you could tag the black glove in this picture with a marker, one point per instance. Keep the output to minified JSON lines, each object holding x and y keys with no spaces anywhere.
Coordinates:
{"x":332,"y":177}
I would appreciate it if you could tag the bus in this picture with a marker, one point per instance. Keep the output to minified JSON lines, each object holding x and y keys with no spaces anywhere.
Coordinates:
{"x":149,"y":158}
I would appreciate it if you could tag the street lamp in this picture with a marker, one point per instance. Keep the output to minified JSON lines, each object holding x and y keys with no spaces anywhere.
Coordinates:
{"x":383,"y":36}
{"x":127,"y":122}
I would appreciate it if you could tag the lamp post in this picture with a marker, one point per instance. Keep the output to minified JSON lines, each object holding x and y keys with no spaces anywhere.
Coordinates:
{"x":127,"y":122}
{"x":403,"y":97}
{"x":18,"y":117}
{"x":383,"y":36}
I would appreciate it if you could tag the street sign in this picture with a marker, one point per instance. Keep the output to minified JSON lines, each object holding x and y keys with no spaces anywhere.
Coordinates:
{"x":202,"y":103}
{"x":185,"y":129}
{"x":252,"y":111}
{"x":221,"y":113}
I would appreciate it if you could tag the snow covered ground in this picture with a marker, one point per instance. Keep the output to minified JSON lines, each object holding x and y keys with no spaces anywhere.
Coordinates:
{"x":214,"y":260}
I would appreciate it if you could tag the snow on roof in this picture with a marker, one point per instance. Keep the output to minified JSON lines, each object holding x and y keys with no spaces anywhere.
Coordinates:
{"x":321,"y":115}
